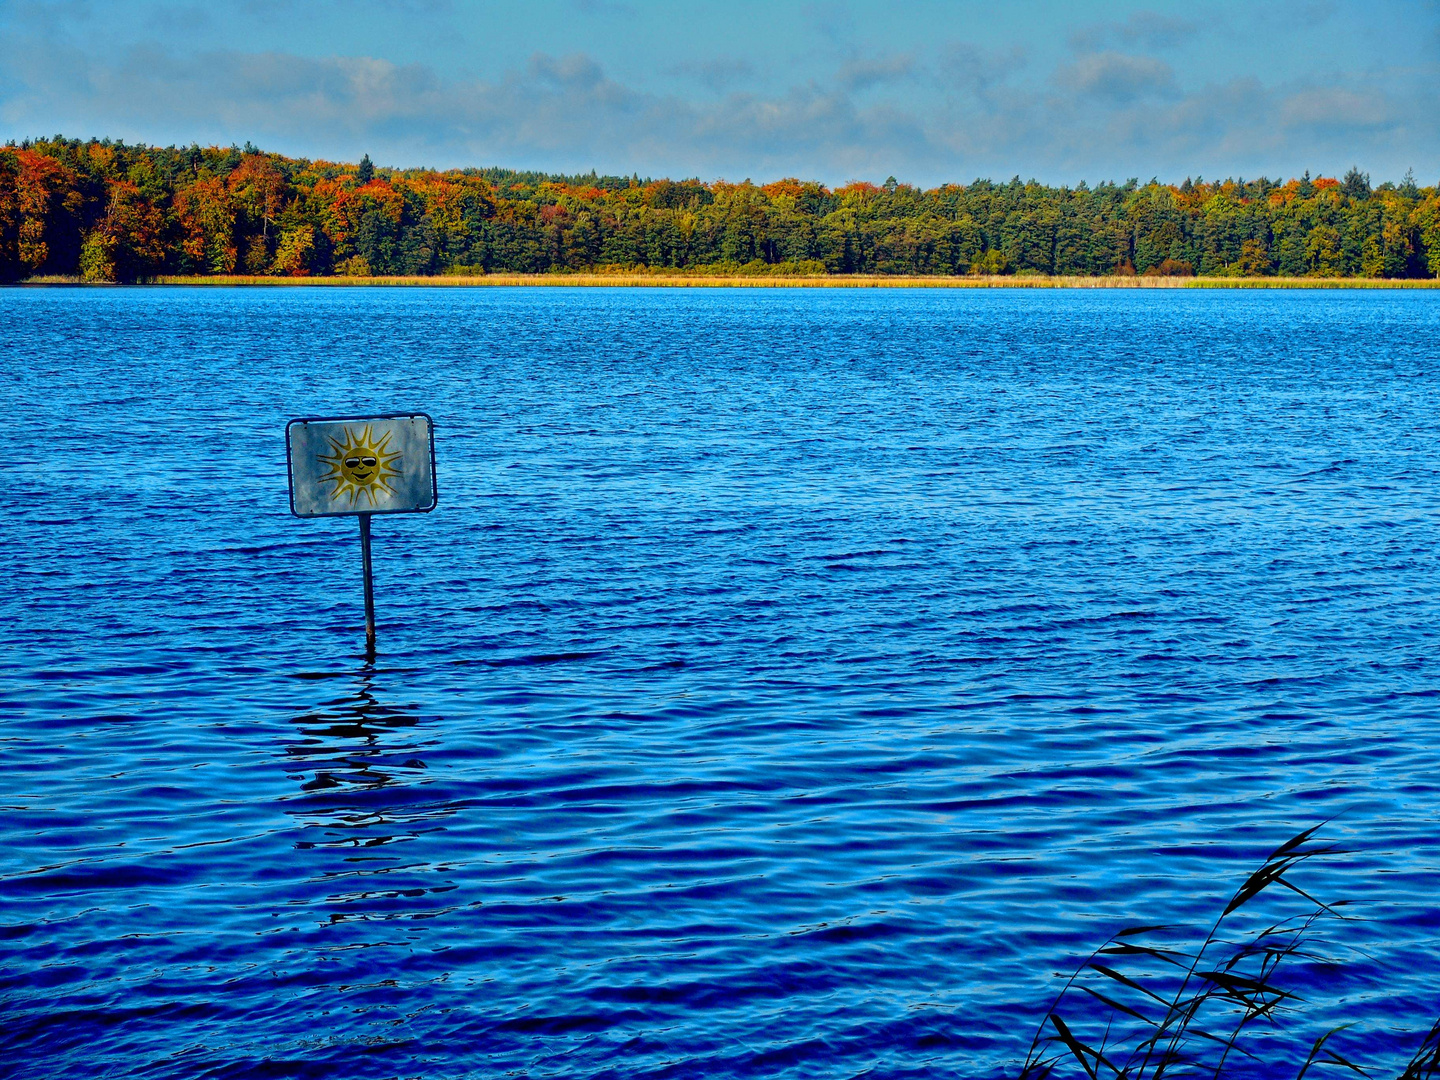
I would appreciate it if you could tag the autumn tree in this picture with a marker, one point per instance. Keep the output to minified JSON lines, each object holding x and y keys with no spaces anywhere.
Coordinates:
{"x":206,"y":213}
{"x":49,"y":206}
{"x":10,"y":265}
{"x":258,"y":190}
{"x":128,"y":243}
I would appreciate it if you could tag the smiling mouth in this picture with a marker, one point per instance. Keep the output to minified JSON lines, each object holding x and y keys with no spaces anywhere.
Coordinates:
{"x":362,"y":475}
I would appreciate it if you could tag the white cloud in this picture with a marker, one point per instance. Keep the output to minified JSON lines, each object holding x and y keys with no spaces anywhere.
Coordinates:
{"x":1117,"y":77}
{"x":1328,"y":110}
{"x":862,"y":74}
{"x":967,"y":67}
{"x":717,"y":74}
{"x":1143,"y":29}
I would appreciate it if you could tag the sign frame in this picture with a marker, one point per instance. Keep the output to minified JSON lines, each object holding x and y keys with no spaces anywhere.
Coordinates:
{"x":290,"y":470}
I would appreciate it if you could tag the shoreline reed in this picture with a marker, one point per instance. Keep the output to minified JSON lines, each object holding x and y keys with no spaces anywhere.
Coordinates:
{"x":761,"y":281}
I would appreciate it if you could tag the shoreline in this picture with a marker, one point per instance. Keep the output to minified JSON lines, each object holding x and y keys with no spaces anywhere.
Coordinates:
{"x":757,"y":281}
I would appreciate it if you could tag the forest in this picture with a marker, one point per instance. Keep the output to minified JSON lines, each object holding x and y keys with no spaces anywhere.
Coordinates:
{"x":101,"y":210}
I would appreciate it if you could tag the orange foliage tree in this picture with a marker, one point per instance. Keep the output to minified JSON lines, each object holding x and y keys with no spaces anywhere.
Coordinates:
{"x":206,"y":214}
{"x":128,"y":243}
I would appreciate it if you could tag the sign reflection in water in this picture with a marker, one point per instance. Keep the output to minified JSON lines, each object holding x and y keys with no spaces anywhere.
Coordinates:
{"x":363,"y":800}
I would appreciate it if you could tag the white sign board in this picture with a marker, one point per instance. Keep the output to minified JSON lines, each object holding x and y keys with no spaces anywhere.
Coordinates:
{"x":361,"y":465}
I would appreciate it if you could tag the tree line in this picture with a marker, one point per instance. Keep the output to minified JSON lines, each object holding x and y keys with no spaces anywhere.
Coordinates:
{"x":107,"y":211}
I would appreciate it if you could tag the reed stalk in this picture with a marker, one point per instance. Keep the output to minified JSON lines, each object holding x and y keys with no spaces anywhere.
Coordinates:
{"x":1171,"y":1011}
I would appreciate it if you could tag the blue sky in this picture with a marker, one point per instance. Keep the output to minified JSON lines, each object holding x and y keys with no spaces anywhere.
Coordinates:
{"x":927,"y":91}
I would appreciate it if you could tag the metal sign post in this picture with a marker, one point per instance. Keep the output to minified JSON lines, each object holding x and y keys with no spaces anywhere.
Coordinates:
{"x":360,"y":466}
{"x":369,"y":586}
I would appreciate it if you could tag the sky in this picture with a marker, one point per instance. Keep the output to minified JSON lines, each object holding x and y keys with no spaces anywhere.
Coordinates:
{"x":925,"y":91}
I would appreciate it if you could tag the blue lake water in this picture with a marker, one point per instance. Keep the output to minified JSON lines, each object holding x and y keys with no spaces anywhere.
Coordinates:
{"x":789,"y":682}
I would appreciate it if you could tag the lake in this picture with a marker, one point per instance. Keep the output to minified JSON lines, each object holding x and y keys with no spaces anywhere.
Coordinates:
{"x":789,"y":682}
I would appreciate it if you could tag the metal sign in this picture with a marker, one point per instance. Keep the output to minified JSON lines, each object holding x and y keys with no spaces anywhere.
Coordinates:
{"x":362,"y":465}
{"x":356,"y":466}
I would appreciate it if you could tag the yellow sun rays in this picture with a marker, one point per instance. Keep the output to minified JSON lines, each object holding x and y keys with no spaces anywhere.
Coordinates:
{"x":361,"y":465}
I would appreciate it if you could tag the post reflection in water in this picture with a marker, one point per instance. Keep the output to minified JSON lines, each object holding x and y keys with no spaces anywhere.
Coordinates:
{"x":365,"y":806}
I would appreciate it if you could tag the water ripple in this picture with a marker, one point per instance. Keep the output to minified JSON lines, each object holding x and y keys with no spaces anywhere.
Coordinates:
{"x":790,"y":683}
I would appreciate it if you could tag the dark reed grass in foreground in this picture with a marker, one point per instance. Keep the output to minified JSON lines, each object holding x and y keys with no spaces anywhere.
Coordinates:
{"x":1143,"y":1006}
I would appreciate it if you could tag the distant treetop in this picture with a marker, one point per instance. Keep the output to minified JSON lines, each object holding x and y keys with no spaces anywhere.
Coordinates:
{"x":107,"y":211}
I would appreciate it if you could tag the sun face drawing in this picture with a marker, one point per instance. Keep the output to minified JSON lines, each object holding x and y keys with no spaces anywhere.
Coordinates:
{"x":361,"y":466}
